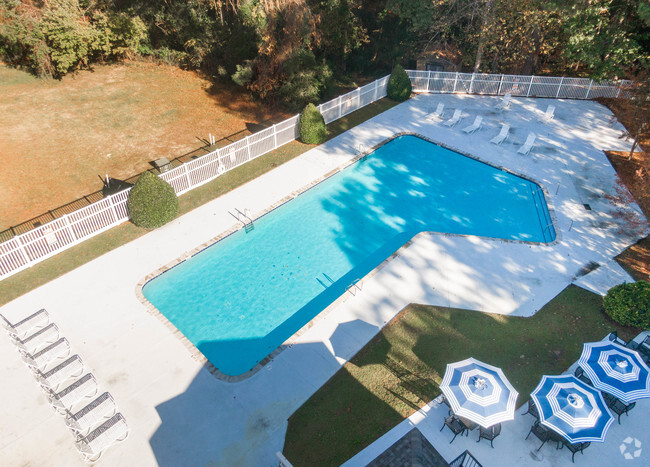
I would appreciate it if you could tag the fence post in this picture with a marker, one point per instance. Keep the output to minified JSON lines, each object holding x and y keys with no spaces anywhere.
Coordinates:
{"x":618,"y":91}
{"x":589,"y":88}
{"x":340,"y":108}
{"x":358,"y":98}
{"x":557,"y":94}
{"x":500,"y":83}
{"x":375,"y":92}
{"x":530,"y":86}
{"x":21,"y":248}
{"x":455,"y":83}
{"x":187,"y":175}
{"x":471,"y":83}
{"x":67,"y":223}
{"x":275,"y":138}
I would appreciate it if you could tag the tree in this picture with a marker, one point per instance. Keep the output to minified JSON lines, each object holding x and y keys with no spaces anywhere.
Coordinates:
{"x":638,"y":107}
{"x":399,"y":85}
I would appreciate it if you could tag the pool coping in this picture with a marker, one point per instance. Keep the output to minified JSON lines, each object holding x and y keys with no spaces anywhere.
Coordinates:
{"x":355,"y":286}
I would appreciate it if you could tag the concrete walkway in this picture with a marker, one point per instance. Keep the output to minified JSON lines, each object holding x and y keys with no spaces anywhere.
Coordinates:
{"x":180,"y":414}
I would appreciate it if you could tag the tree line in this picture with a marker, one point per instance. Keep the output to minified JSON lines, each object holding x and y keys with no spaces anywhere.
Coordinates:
{"x":292,"y":51}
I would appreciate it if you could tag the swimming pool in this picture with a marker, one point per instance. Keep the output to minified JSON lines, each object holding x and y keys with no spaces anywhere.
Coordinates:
{"x":241,"y":298}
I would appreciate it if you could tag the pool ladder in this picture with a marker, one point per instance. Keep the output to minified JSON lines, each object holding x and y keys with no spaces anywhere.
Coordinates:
{"x":354,"y":287}
{"x":245,"y":219}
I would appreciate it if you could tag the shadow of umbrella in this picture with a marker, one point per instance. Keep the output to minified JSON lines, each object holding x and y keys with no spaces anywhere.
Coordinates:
{"x":345,"y":338}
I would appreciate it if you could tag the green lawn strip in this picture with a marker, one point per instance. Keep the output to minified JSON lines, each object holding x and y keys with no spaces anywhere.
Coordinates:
{"x":401,"y":368}
{"x":45,"y":271}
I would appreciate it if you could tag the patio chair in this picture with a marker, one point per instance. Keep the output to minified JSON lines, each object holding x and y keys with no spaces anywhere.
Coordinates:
{"x":97,"y":441}
{"x":532,"y":409}
{"x":548,"y":115}
{"x":23,"y":328}
{"x":503,"y":134}
{"x":577,"y":447}
{"x":528,"y":145}
{"x":64,"y":400}
{"x":478,"y":121}
{"x":580,"y":374}
{"x":489,"y":433}
{"x":505,"y":102}
{"x":54,"y":351}
{"x":31,"y":344}
{"x":71,"y":368}
{"x":456,"y":426}
{"x":542,"y":433}
{"x":617,"y":406}
{"x":437,"y":115}
{"x":613,"y":337}
{"x":641,"y":348}
{"x":454,"y":119}
{"x":102,"y":408}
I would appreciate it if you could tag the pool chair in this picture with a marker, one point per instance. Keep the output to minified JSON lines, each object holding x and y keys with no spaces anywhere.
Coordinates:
{"x":548,"y":115}
{"x":580,"y":374}
{"x":454,"y":119}
{"x":505,"y":102}
{"x":503,"y":134}
{"x":618,"y":406}
{"x":577,"y":447}
{"x":91,"y":415}
{"x":73,"y":367}
{"x":44,"y":336}
{"x":455,"y":425}
{"x":64,"y":400}
{"x":40,"y":359}
{"x":478,"y":121}
{"x":489,"y":433}
{"x":97,"y":441}
{"x":540,"y":432}
{"x":528,"y":145}
{"x":437,"y":115}
{"x":24,"y":327}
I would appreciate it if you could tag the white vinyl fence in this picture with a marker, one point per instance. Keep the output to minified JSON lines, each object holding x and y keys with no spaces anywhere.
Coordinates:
{"x":34,"y":246}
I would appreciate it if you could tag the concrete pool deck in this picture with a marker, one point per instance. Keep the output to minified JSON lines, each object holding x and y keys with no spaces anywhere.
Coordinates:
{"x":177,"y":411}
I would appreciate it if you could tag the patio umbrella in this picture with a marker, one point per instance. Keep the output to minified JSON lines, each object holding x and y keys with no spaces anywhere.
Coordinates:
{"x":479,"y":392}
{"x":616,"y":370}
{"x":572,"y":408}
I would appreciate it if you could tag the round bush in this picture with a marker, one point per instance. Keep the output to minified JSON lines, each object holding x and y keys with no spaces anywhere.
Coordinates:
{"x":152,"y":202}
{"x":629,"y":304}
{"x":399,"y":85}
{"x":312,"y":125}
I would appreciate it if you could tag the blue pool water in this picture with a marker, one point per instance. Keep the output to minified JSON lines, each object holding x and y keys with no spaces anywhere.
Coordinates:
{"x":241,"y":298}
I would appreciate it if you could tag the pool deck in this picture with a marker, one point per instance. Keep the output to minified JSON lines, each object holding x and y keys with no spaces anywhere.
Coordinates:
{"x":180,"y":414}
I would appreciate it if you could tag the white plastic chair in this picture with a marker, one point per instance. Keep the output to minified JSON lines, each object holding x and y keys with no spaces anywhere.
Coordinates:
{"x":505,"y":102}
{"x":528,"y":145}
{"x":40,"y":338}
{"x":97,"y":441}
{"x":548,"y":115}
{"x":503,"y":134}
{"x":102,"y":408}
{"x":55,"y":351}
{"x":23,"y":328}
{"x":73,"y":367}
{"x":478,"y":121}
{"x":64,"y":400}
{"x":437,"y":115}
{"x":454,"y":119}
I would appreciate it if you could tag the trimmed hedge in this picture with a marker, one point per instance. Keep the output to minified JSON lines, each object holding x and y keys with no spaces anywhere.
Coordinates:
{"x":312,"y":125}
{"x":152,"y":202}
{"x":399,"y":85}
{"x":629,"y":304}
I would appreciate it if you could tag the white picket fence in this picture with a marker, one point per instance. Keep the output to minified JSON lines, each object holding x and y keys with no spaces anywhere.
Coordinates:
{"x":34,"y":246}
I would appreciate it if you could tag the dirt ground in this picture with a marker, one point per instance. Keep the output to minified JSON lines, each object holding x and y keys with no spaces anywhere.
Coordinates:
{"x":59,"y":138}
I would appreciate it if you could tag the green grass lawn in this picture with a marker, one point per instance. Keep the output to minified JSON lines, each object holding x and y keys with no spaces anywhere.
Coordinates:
{"x":401,"y":368}
{"x":41,"y":273}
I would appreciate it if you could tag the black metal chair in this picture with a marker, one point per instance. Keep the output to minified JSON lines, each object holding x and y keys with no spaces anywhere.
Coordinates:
{"x":532,"y":409}
{"x":580,"y":374}
{"x":455,"y":425}
{"x":577,"y":447}
{"x":617,"y":406}
{"x":489,"y":433}
{"x":613,"y":336}
{"x":641,"y":348}
{"x":542,"y":433}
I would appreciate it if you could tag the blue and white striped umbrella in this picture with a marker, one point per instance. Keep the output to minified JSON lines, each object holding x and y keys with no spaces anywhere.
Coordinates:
{"x":616,"y":370}
{"x":572,"y":408}
{"x":479,"y":392}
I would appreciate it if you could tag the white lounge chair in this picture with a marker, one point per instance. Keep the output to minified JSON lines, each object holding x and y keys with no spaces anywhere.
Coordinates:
{"x":478,"y":121}
{"x":97,"y":441}
{"x":454,"y":119}
{"x":548,"y":115}
{"x":55,"y":351}
{"x":92,"y":415}
{"x":503,"y":134}
{"x":437,"y":115}
{"x":73,"y":367}
{"x":64,"y":400}
{"x":505,"y":102}
{"x":39,"y":339}
{"x":528,"y":145}
{"x":23,"y":328}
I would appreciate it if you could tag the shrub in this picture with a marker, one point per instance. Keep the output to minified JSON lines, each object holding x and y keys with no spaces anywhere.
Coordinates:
{"x":152,"y":202}
{"x":312,"y":125}
{"x":399,"y":85}
{"x":629,"y":304}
